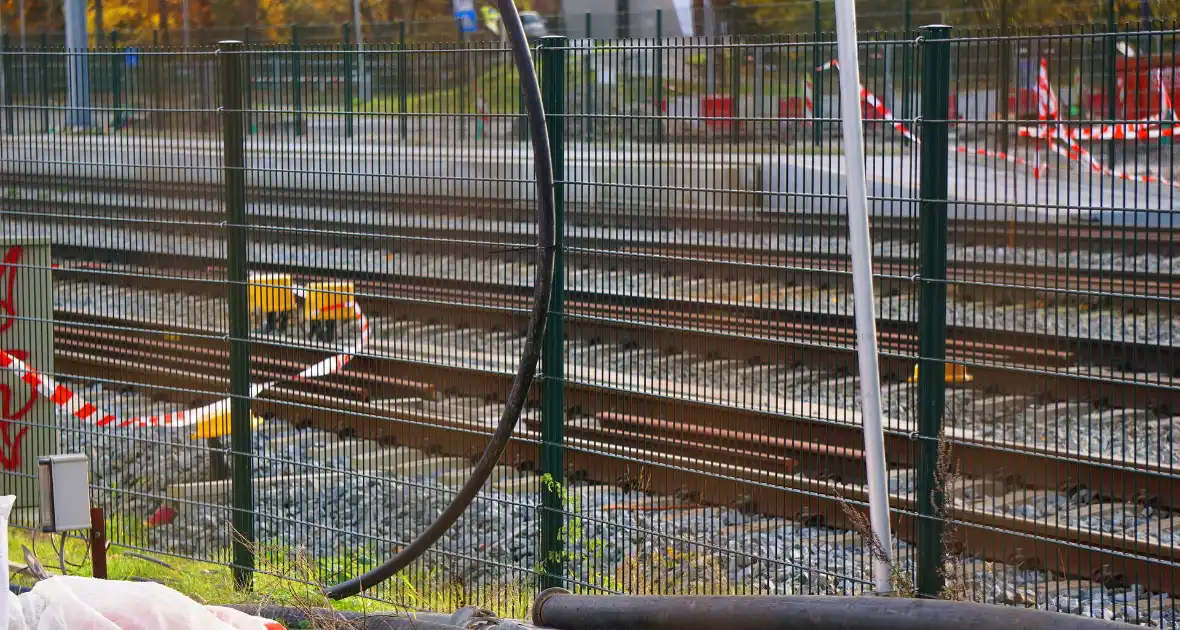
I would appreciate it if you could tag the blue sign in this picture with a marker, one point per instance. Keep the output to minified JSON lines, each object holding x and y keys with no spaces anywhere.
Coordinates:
{"x":467,"y":22}
{"x":132,"y":58}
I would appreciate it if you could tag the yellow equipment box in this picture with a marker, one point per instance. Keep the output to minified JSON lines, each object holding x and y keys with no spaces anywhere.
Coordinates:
{"x":271,"y":293}
{"x":321,"y":295}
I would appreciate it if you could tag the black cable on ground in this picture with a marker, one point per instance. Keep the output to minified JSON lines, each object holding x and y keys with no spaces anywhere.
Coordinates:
{"x":527,"y":367}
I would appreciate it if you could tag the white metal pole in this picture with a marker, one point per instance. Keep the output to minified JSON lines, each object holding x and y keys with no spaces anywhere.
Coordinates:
{"x":862,"y":287}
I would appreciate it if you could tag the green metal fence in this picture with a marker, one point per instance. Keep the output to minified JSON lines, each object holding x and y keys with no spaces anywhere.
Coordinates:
{"x":696,"y":428}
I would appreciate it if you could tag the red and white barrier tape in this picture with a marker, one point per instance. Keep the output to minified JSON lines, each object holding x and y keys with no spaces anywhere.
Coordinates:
{"x":1150,"y":128}
{"x":1050,"y":129}
{"x":66,"y":400}
{"x":886,"y":114}
{"x":1037,"y":169}
{"x":872,"y":101}
{"x":808,"y":107}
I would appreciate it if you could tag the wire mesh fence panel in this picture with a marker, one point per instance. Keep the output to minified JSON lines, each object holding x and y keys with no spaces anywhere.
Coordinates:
{"x":334,"y":244}
{"x":129,"y":347}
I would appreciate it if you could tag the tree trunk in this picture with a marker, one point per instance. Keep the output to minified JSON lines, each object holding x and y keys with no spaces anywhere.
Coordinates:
{"x":249,"y":12}
{"x":100,"y":33}
{"x":162,"y":14}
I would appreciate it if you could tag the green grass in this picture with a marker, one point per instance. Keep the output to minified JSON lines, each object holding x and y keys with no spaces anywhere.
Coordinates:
{"x":497,"y":85}
{"x":283,"y":579}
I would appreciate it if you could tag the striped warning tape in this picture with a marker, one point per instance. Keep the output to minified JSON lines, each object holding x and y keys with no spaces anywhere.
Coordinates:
{"x":1037,"y":169}
{"x":872,"y":101}
{"x":1053,"y":132}
{"x":1050,"y":129}
{"x":1157,"y":126}
{"x":68,"y":401}
{"x":808,"y":106}
{"x":886,"y":114}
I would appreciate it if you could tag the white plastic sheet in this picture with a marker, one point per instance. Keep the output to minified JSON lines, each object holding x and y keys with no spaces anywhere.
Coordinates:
{"x":6,"y":503}
{"x":82,"y":603}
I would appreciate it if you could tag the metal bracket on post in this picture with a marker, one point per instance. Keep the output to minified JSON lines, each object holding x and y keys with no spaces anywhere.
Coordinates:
{"x":234,"y":149}
{"x":934,"y":127}
{"x":553,"y":88}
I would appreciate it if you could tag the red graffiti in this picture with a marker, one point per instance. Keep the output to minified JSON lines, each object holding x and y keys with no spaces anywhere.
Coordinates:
{"x":8,"y":271}
{"x":10,"y":460}
{"x":10,"y":443}
{"x":6,"y":392}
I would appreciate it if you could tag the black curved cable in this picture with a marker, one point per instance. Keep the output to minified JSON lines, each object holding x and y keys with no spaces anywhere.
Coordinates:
{"x":527,"y":367}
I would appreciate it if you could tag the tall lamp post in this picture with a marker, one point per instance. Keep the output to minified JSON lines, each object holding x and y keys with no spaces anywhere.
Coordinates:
{"x":79,"y":115}
{"x":360,"y":47}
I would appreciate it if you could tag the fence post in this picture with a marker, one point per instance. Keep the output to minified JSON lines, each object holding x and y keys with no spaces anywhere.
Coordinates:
{"x":248,"y":83}
{"x":1005,"y":69}
{"x":6,"y":80}
{"x":158,"y":66}
{"x":735,"y":91}
{"x":234,"y":150}
{"x":906,"y":61}
{"x":403,"y":87}
{"x":296,"y":81}
{"x":588,"y":78}
{"x":932,"y":300}
{"x":522,"y":120}
{"x":553,"y":59}
{"x":1112,"y":112}
{"x":43,"y":65}
{"x":659,"y":70}
{"x":817,"y":86}
{"x":347,"y":80}
{"x":116,"y":82}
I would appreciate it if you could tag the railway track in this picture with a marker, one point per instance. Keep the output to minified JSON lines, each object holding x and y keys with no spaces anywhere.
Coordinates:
{"x":785,"y":455}
{"x":370,"y":217}
{"x":782,"y":452}
{"x":989,"y":320}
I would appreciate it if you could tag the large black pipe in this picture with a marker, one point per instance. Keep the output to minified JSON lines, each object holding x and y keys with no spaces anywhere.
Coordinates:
{"x":526,"y":368}
{"x":558,"y":609}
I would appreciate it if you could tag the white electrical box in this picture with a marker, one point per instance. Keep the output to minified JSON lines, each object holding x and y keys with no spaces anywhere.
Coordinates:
{"x":65,"y":492}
